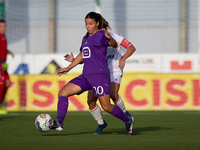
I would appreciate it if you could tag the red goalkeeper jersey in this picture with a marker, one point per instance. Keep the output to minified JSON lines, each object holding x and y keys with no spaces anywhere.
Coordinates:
{"x":3,"y":47}
{"x":3,"y":56}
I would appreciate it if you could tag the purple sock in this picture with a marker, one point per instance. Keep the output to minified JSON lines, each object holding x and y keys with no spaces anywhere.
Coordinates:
{"x":62,"y":108}
{"x":117,"y":112}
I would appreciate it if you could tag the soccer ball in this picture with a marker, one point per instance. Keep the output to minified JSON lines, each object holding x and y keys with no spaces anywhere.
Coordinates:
{"x":44,"y":122}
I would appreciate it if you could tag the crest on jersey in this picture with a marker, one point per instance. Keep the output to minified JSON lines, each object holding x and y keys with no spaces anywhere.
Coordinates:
{"x":86,"y":42}
{"x":86,"y":52}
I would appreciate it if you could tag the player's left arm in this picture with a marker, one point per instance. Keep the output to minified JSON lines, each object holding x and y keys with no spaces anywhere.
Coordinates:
{"x":130,"y":50}
{"x":111,"y":41}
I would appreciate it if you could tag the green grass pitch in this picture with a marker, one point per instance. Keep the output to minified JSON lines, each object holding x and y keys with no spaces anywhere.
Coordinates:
{"x":168,"y":130}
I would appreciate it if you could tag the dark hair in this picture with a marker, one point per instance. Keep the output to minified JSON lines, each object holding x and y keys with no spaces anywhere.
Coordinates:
{"x":98,"y":18}
{"x":104,"y":23}
{"x":2,"y":21}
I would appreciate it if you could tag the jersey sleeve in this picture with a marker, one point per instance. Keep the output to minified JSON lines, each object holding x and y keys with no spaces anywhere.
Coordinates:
{"x":1,"y":49}
{"x":125,"y":43}
{"x":118,"y":38}
{"x":104,"y":40}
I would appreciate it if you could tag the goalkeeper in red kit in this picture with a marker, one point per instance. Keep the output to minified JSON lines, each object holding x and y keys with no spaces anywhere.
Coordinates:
{"x":4,"y":77}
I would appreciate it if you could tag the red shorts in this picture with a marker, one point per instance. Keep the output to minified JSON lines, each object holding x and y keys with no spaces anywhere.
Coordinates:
{"x":4,"y":75}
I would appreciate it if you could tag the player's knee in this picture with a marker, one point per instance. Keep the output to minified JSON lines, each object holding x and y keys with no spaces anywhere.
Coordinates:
{"x":107,"y":108}
{"x":62,"y":93}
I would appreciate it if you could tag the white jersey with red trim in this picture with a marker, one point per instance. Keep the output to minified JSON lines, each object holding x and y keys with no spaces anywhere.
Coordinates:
{"x":114,"y":54}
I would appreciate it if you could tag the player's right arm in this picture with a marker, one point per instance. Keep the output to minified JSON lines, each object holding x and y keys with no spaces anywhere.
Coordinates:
{"x":70,"y":58}
{"x":130,"y":50}
{"x":75,"y":62}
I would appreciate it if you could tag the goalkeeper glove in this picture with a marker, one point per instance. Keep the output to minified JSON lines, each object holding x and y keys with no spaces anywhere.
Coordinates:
{"x":4,"y":65}
{"x":11,"y":53}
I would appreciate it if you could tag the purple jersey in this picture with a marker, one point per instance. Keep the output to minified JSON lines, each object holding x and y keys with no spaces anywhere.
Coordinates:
{"x":93,"y":49}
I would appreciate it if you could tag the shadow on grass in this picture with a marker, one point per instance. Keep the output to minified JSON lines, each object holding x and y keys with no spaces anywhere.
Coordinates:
{"x":136,"y":131}
{"x":56,"y":134}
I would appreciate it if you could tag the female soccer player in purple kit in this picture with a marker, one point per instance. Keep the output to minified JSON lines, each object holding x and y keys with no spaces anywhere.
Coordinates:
{"x":95,"y":75}
{"x":116,"y":63}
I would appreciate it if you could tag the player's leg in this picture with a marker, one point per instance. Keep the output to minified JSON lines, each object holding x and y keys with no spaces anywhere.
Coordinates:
{"x":114,"y":88}
{"x":117,"y":112}
{"x":3,"y":90}
{"x":2,"y":87}
{"x":4,"y":111}
{"x":101,"y":88}
{"x":96,"y":112}
{"x":115,"y":79}
{"x":62,"y":106}
{"x":7,"y":85}
{"x":94,"y":107}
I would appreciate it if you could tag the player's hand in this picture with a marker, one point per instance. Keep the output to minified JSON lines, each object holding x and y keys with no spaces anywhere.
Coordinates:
{"x":121,"y":63}
{"x":4,"y":65}
{"x":69,"y":57}
{"x":11,"y":53}
{"x":111,"y":41}
{"x":62,"y":71}
{"x":107,"y":34}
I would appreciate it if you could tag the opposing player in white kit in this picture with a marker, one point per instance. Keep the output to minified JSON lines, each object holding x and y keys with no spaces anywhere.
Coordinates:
{"x":116,"y":63}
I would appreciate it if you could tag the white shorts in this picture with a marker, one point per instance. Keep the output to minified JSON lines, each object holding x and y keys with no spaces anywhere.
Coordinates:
{"x":115,"y":77}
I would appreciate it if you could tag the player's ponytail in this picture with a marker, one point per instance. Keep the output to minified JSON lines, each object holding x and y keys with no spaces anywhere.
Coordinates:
{"x":98,"y":18}
{"x":103,"y":23}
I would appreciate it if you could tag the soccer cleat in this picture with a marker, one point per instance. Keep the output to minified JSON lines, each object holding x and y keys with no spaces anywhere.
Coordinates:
{"x":57,"y":125}
{"x":133,"y":120}
{"x":129,"y":126}
{"x":3,"y":111}
{"x":60,"y":128}
{"x":54,"y":125}
{"x":128,"y":114}
{"x":100,"y":128}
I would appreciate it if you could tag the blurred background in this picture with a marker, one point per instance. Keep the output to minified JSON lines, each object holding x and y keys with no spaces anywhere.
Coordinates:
{"x":57,"y":26}
{"x":164,"y":32}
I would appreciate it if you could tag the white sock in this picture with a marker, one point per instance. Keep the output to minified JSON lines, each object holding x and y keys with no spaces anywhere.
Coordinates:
{"x":120,"y":103}
{"x":96,"y":113}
